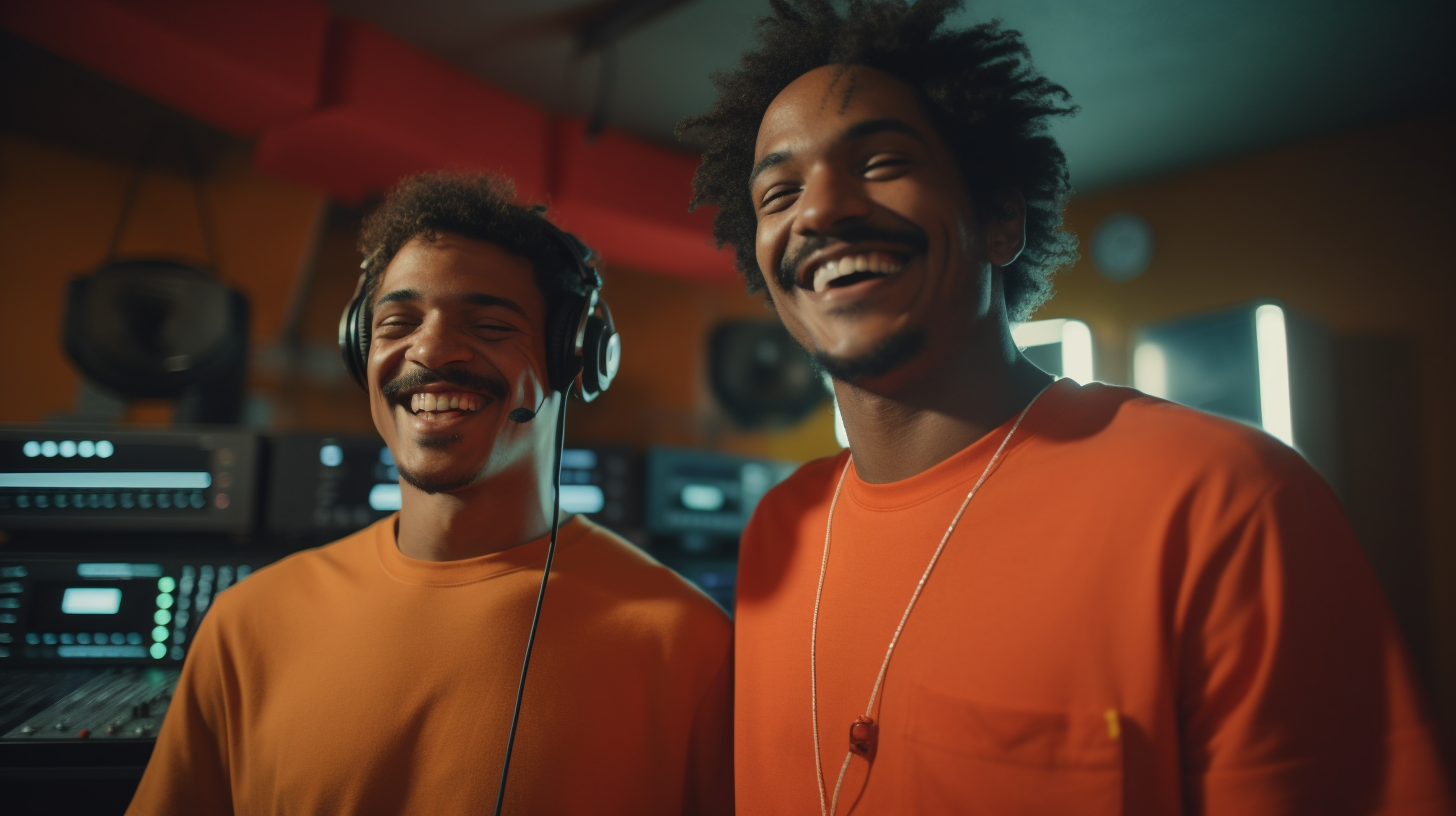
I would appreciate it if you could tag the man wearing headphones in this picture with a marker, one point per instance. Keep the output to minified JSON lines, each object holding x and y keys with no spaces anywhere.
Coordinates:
{"x":380,"y":674}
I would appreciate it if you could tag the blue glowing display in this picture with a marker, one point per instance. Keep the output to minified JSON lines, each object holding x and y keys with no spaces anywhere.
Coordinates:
{"x":91,"y":601}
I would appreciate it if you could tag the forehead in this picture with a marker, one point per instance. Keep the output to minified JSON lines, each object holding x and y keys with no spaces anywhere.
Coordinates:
{"x":455,"y":265}
{"x":830,"y":98}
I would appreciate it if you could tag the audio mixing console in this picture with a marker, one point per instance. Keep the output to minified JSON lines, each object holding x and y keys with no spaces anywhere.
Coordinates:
{"x":101,"y":704}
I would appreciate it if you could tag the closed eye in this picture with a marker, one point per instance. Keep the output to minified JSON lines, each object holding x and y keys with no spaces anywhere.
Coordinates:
{"x":778,"y":197}
{"x":394,"y":326}
{"x":882,"y":167}
{"x":495,"y":328}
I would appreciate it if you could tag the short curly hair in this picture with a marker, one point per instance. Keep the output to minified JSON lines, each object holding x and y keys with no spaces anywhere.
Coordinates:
{"x":976,"y":85}
{"x":476,"y":206}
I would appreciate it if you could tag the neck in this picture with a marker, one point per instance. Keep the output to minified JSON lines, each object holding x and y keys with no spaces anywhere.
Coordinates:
{"x":906,"y":428}
{"x":504,"y":510}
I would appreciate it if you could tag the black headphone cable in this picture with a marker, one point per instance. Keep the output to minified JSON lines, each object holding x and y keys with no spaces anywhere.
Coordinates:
{"x":500,"y":795}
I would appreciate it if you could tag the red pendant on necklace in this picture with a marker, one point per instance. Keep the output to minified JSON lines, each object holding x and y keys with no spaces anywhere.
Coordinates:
{"x":864,"y":735}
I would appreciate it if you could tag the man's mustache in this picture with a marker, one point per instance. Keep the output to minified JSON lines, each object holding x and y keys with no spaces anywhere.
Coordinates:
{"x":468,"y":380}
{"x":788,"y":271}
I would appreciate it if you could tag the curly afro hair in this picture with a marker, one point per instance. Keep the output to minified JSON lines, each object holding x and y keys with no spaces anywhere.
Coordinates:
{"x":474,"y":206}
{"x":976,"y":85}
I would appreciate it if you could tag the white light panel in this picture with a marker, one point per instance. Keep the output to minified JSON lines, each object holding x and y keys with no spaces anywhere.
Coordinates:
{"x":1275,"y":412}
{"x":1075,"y":339}
{"x":1150,"y":370}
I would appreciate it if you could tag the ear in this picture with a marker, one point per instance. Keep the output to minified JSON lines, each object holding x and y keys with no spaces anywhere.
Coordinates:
{"x":1006,"y":228}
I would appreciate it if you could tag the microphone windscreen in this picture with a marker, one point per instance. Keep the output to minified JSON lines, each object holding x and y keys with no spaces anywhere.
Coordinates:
{"x":521,"y":415}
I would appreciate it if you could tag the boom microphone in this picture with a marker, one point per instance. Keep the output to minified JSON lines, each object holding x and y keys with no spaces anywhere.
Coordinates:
{"x":524,"y":415}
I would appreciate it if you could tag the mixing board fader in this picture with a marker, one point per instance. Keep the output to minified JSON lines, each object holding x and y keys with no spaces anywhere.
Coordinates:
{"x":116,"y":703}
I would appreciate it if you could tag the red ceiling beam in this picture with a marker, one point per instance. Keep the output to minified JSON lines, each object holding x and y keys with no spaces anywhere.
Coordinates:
{"x":629,"y":200}
{"x":389,"y":109}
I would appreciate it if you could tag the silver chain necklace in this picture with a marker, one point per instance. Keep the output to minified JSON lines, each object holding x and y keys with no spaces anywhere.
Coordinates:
{"x":864,"y":731}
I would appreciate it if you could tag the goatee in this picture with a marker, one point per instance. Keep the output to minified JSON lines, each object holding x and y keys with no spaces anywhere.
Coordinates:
{"x":435,"y":483}
{"x":890,"y":354}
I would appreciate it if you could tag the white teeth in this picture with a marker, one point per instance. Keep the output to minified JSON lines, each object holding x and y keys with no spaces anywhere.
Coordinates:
{"x":427,"y":404}
{"x":879,"y":263}
{"x":824,"y":274}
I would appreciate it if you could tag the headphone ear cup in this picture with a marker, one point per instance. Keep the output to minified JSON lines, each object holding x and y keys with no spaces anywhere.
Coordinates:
{"x":361,"y":347}
{"x":601,"y":354}
{"x":354,"y":338}
{"x":562,"y":362}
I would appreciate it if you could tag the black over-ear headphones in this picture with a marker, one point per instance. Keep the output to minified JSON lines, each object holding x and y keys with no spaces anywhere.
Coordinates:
{"x":583,"y":349}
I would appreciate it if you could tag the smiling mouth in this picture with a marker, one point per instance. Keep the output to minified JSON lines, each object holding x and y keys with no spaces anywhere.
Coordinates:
{"x":438,"y":407}
{"x":847,"y":270}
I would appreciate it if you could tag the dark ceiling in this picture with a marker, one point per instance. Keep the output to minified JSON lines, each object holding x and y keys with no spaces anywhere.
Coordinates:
{"x":1164,"y":85}
{"x":47,"y":97}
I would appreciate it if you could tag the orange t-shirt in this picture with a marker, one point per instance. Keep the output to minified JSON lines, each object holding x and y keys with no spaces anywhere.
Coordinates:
{"x":352,"y":679}
{"x":1145,"y":610}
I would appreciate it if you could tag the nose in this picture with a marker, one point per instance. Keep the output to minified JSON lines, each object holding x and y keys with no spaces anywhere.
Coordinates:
{"x":831,"y":196}
{"x":437,"y":343}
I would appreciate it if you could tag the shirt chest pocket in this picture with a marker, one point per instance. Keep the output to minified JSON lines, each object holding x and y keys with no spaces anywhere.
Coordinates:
{"x":970,"y":757}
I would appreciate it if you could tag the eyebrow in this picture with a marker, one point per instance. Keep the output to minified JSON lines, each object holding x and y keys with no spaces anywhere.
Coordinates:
{"x":869,"y":127}
{"x":859,"y":130}
{"x":768,"y":161}
{"x":482,"y":299}
{"x":475,"y":298}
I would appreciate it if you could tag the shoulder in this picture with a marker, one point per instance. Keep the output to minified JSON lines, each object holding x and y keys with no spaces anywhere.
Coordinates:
{"x":1125,"y":459}
{"x":811,"y":484}
{"x":1131,"y":436}
{"x":785,"y":524}
{"x":301,"y":575}
{"x":634,"y":584}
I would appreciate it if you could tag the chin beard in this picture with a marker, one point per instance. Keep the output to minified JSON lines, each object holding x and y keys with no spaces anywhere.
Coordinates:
{"x":890,"y":354}
{"x":435,"y":483}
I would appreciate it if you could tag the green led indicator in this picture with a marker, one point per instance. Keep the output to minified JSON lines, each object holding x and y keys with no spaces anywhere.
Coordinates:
{"x":159,"y":650}
{"x":163,"y":617}
{"x":164,"y":601}
{"x":159,"y":634}
{"x":166,"y":583}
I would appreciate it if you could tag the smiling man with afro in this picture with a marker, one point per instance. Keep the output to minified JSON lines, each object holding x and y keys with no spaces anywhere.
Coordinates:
{"x":1012,"y":594}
